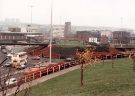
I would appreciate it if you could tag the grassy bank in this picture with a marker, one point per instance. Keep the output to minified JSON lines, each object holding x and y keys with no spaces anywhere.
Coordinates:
{"x":101,"y":80}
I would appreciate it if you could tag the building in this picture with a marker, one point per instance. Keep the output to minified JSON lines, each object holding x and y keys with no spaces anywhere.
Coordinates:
{"x":85,"y":35}
{"x":14,"y":29}
{"x":106,"y":33}
{"x":14,"y":37}
{"x":132,"y":39}
{"x":93,"y":39}
{"x":106,"y":36}
{"x":104,"y":39}
{"x":32,"y":28}
{"x":58,"y":31}
{"x":67,"y":30}
{"x":120,"y":39}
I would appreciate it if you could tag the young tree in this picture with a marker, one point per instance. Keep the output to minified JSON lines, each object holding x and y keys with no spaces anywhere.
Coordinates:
{"x":85,"y":57}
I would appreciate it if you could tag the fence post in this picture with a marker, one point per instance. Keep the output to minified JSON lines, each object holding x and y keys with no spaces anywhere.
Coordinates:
{"x":112,"y":62}
{"x":47,"y":71}
{"x":59,"y":67}
{"x":33,"y":76}
{"x":40,"y":74}
{"x":25,"y":79}
{"x":53,"y":69}
{"x":64,"y":65}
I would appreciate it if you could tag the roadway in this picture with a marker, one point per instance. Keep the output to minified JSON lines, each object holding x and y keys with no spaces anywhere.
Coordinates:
{"x":17,"y":73}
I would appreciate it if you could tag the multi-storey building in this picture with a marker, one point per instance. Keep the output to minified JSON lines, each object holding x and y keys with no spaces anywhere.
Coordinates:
{"x":58,"y":31}
{"x":67,"y":30}
{"x":121,"y":37}
{"x":85,"y":35}
{"x":104,"y":39}
{"x":132,"y":39}
{"x":13,"y":37}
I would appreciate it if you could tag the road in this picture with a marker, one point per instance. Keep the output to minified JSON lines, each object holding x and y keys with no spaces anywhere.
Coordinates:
{"x":42,"y":79}
{"x":17,"y":73}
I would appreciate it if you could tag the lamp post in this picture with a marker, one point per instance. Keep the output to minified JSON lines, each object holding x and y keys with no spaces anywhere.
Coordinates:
{"x":51,"y":33}
{"x":31,"y":14}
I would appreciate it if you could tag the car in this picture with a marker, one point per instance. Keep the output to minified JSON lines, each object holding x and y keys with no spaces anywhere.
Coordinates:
{"x":36,"y":57}
{"x":8,"y":64}
{"x":4,"y":51}
{"x":69,"y":59}
{"x":11,"y":81}
{"x":23,"y":66}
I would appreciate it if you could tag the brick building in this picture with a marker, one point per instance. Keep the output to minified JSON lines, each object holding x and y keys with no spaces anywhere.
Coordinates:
{"x":85,"y":35}
{"x":120,"y":37}
{"x":13,"y":37}
{"x":104,"y":39}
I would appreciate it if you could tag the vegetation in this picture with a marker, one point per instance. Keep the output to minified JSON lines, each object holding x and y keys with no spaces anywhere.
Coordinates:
{"x":99,"y":81}
{"x":85,"y":57}
{"x":102,"y":48}
{"x":70,"y":43}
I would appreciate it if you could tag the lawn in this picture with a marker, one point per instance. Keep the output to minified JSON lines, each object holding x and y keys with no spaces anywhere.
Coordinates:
{"x":101,"y":80}
{"x":70,"y":43}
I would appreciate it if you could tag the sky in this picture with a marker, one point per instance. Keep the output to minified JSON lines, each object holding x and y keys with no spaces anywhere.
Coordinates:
{"x":111,"y":13}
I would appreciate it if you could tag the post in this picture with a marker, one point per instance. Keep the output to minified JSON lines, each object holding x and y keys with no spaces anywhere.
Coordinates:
{"x":51,"y":33}
{"x":31,"y":14}
{"x":25,"y":79}
{"x":103,"y":60}
{"x":47,"y":71}
{"x":33,"y":76}
{"x":53,"y":69}
{"x":112,"y":61}
{"x":64,"y":65}
{"x":59,"y":67}
{"x":40,"y":74}
{"x":81,"y":73}
{"x":133,"y":63}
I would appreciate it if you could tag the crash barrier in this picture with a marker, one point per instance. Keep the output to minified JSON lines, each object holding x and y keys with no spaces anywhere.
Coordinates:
{"x":31,"y":75}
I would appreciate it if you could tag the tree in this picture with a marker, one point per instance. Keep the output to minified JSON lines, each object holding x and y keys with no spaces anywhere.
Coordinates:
{"x":85,"y":57}
{"x":133,"y":58}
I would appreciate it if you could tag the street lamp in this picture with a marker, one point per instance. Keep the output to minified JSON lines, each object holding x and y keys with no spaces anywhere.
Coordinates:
{"x":31,"y":14}
{"x":51,"y":32}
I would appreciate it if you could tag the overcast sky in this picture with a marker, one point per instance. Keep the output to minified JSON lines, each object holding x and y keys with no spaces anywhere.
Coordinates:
{"x":79,"y":12}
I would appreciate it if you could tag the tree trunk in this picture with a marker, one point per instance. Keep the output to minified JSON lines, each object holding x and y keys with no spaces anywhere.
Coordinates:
{"x":133,"y":64}
{"x":103,"y":60}
{"x":81,"y":73}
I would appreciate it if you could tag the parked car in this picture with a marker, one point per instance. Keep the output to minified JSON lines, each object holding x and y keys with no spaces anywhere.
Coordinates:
{"x":69,"y":59}
{"x":36,"y":58}
{"x":11,"y":81}
{"x":23,"y":66}
{"x":8,"y":64}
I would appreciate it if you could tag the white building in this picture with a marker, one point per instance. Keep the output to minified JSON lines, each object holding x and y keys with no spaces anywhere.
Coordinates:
{"x":93,"y":39}
{"x":106,"y":33}
{"x":58,"y":31}
{"x":29,"y":28}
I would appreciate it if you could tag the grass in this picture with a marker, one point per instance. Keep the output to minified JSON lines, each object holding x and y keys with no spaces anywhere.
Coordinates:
{"x":101,"y":80}
{"x":68,"y":43}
